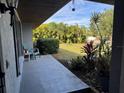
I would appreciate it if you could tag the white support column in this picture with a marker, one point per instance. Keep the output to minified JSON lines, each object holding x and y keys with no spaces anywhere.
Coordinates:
{"x":27,"y":35}
{"x":117,"y":65}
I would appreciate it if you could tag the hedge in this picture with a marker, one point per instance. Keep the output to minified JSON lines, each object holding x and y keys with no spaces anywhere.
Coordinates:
{"x":48,"y":46}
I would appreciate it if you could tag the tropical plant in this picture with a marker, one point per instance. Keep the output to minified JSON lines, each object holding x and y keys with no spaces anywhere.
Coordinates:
{"x":90,"y":51}
{"x":103,"y":64}
{"x":90,"y":55}
{"x":95,"y":19}
{"x":103,"y":68}
{"x":87,"y":62}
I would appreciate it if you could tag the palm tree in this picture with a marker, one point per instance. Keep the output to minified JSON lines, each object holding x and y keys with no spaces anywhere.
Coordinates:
{"x":95,"y":19}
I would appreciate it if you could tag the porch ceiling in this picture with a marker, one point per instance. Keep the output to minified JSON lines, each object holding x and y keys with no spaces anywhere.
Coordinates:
{"x":37,"y":11}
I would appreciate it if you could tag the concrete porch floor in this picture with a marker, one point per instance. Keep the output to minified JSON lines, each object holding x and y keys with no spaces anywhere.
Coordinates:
{"x":47,"y":75}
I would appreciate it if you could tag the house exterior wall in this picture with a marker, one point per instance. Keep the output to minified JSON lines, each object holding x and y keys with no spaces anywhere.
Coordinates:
{"x":12,"y":82}
{"x":27,"y":35}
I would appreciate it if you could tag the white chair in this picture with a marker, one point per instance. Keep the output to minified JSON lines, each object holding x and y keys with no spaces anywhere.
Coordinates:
{"x":26,"y":55}
{"x":34,"y":53}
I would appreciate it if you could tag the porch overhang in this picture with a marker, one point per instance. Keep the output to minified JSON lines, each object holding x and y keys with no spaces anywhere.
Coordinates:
{"x":37,"y":11}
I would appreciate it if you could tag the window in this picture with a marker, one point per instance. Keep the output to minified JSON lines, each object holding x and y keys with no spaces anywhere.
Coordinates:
{"x":17,"y":34}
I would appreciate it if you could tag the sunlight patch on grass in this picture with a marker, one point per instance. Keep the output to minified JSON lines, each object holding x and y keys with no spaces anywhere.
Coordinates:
{"x":68,"y":51}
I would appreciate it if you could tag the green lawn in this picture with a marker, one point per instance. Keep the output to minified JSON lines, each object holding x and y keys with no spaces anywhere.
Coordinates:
{"x":68,"y":51}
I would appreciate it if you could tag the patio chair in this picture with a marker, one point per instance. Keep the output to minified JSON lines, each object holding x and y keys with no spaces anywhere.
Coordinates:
{"x":34,"y":53}
{"x":26,"y":55}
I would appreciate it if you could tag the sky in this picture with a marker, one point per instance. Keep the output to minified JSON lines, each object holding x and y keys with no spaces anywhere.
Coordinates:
{"x":81,"y":15}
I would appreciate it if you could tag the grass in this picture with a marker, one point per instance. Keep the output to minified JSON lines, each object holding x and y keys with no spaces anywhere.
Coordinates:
{"x":68,"y":51}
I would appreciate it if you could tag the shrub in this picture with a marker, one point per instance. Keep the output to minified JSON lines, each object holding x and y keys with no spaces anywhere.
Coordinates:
{"x":87,"y":62}
{"x":48,"y":46}
{"x":103,"y":64}
{"x":77,"y":63}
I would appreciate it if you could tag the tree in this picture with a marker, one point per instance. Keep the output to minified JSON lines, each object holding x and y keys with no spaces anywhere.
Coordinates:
{"x":105,"y":22}
{"x":95,"y":19}
{"x":102,"y":23}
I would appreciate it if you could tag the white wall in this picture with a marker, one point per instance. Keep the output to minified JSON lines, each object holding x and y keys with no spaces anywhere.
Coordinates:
{"x":8,"y":55}
{"x":27,"y":35}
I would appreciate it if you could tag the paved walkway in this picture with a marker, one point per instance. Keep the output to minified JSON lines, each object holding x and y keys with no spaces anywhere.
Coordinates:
{"x":47,"y":75}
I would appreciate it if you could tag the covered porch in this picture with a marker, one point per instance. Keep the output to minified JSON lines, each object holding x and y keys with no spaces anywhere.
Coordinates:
{"x":117,"y":66}
{"x":47,"y":75}
{"x":31,"y":18}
